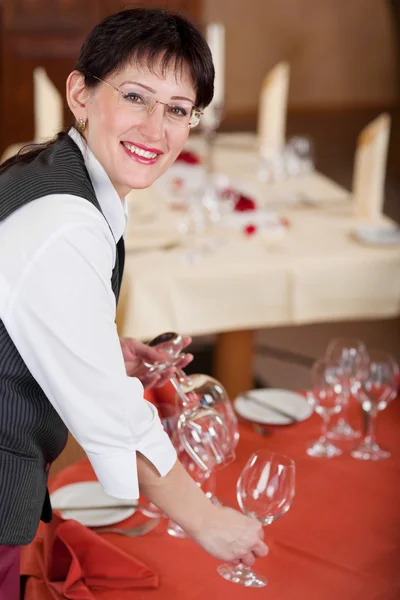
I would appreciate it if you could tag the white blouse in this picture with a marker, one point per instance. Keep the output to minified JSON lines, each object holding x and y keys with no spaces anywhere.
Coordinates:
{"x":56,"y":258}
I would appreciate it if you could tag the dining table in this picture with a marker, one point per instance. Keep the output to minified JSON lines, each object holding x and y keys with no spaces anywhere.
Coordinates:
{"x":340,"y":538}
{"x":317,"y":271}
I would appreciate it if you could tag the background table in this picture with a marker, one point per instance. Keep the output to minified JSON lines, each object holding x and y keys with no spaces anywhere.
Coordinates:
{"x":318,"y":273}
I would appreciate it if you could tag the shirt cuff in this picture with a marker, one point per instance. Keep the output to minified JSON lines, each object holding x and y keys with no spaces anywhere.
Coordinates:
{"x":117,"y":474}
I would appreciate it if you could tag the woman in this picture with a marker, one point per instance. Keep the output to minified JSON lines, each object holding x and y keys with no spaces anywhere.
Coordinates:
{"x":139,"y":85}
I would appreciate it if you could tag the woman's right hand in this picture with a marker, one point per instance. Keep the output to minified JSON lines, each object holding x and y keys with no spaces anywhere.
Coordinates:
{"x":231,"y":536}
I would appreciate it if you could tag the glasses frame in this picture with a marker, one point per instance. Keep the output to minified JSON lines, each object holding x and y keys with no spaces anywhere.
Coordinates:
{"x":195,"y":112}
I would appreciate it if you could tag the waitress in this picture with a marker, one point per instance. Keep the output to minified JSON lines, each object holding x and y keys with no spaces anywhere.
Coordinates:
{"x":139,"y":86}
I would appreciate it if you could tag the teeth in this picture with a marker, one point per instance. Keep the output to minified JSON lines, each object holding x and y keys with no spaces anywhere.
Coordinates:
{"x":139,"y":151}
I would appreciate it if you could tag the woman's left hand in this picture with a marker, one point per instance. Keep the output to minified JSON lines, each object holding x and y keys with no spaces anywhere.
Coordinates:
{"x":136,"y":354}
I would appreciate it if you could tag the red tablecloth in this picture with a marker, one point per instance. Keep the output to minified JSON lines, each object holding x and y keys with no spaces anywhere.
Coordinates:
{"x":339,"y":541}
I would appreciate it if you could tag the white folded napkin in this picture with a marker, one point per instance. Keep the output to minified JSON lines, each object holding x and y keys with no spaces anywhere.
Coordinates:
{"x":370,"y":169}
{"x":273,"y":109}
{"x":48,"y":106}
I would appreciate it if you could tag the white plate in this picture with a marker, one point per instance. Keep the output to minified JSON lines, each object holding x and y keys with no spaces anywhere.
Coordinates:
{"x":378,"y":235}
{"x":290,"y":402}
{"x":90,"y":494}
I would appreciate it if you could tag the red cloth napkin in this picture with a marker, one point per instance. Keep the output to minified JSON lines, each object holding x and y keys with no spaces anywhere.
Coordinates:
{"x":245,"y":203}
{"x":188,"y":157}
{"x":68,"y":560}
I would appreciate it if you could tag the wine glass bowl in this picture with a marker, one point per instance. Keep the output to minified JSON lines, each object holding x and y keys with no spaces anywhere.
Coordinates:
{"x":207,"y":392}
{"x":378,"y":388}
{"x":206,"y":438}
{"x":352,"y":357}
{"x":265,"y":491}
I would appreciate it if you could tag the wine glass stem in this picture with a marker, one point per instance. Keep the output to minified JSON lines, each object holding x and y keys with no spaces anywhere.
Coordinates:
{"x":179,"y":378}
{"x":324,"y":430}
{"x":370,"y":434}
{"x":344,"y":414}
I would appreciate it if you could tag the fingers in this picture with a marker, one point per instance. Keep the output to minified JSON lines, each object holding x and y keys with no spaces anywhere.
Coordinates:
{"x":151,"y":381}
{"x":186,"y":341}
{"x":248,"y":559}
{"x":260,"y":549}
{"x":184,"y":360}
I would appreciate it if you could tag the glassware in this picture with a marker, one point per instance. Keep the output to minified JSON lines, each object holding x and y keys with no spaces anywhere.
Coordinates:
{"x":202,"y":430}
{"x":379,"y":387}
{"x":271,"y":166}
{"x":265,"y":491}
{"x":204,"y":390}
{"x":352,"y":357}
{"x":210,"y":123}
{"x":324,"y":398}
{"x":299,"y":156}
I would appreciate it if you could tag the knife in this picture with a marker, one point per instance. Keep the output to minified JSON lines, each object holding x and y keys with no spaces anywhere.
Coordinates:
{"x":263,"y":404}
{"x":109,"y":507}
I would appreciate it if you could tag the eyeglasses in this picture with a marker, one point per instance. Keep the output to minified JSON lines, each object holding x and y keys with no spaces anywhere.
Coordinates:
{"x":182,"y":115}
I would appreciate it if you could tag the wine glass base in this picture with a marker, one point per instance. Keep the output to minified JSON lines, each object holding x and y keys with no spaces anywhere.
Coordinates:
{"x":342,"y":431}
{"x":243,"y":576}
{"x":323,"y":450}
{"x":369,"y":452}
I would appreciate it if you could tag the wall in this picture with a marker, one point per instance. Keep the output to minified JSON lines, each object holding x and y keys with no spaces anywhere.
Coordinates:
{"x":342,"y":52}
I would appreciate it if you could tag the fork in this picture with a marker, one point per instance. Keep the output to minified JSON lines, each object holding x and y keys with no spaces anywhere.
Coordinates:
{"x":136,"y":531}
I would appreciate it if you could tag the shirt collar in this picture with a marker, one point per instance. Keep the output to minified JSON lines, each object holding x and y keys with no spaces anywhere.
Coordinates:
{"x":114,"y":210}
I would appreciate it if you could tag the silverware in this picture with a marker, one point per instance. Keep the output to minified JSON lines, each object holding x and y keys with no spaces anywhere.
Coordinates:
{"x":137,"y":531}
{"x":108,"y":507}
{"x":263,"y":404}
{"x":261,"y":430}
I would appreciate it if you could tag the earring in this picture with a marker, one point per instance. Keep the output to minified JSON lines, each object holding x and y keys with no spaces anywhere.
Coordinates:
{"x":81,"y":125}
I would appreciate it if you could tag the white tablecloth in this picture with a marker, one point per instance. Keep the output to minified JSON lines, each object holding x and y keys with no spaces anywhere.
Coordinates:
{"x":318,"y":272}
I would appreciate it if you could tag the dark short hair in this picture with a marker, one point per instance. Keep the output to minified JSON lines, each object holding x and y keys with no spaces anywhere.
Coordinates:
{"x":147,"y":36}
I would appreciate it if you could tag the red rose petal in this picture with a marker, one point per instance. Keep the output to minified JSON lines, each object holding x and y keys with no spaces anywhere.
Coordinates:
{"x":188,"y":157}
{"x":244,"y":203}
{"x":250,"y":229}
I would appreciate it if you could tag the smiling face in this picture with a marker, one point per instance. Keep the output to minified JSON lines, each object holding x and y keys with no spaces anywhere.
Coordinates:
{"x":133,"y":146}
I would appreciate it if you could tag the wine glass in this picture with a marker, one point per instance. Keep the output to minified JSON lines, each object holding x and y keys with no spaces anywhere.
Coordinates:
{"x":204,"y":390}
{"x":324,"y":399}
{"x":378,"y":388}
{"x":265,"y":491}
{"x":299,"y":155}
{"x":172,"y":344}
{"x":202,"y":430}
{"x":352,"y":357}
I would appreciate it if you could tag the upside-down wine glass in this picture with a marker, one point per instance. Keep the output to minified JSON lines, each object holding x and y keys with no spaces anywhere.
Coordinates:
{"x":324,"y":399}
{"x":352,"y":357}
{"x":202,"y":430}
{"x":379,"y":387}
{"x":265,"y":491}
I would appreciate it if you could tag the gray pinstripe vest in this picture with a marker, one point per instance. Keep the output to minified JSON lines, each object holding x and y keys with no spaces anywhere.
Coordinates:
{"x":32,"y":434}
